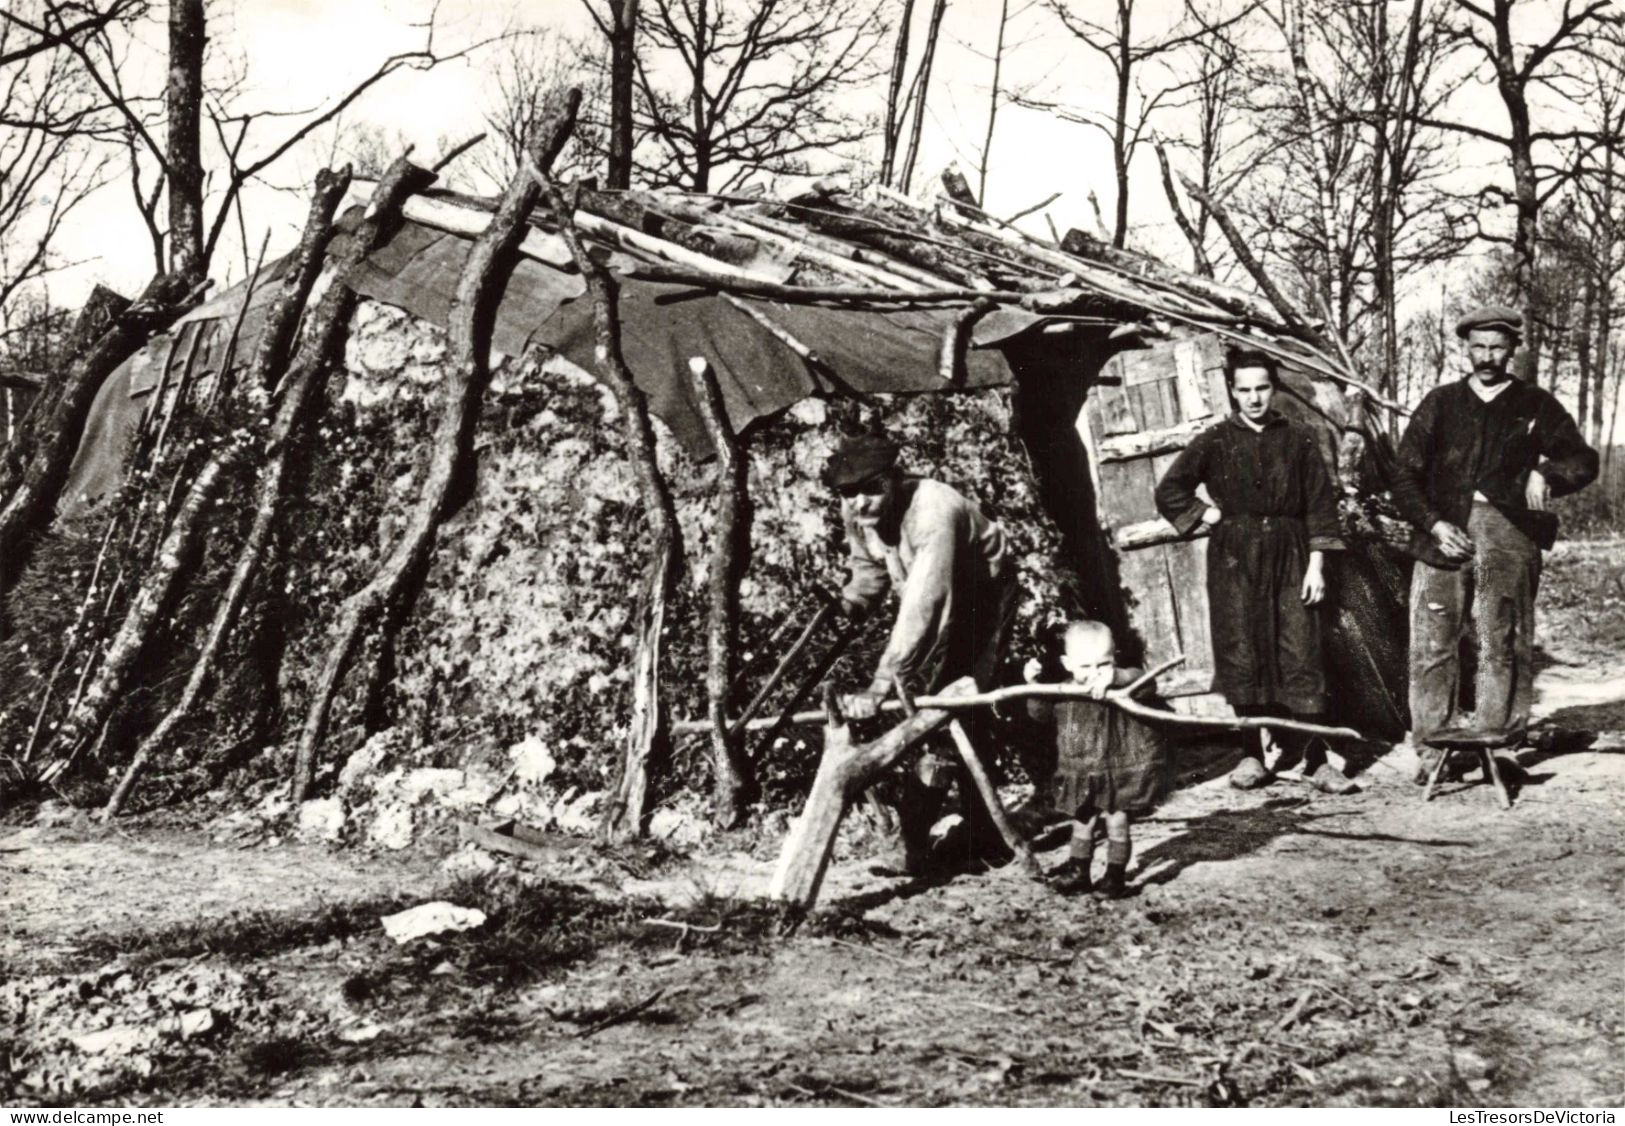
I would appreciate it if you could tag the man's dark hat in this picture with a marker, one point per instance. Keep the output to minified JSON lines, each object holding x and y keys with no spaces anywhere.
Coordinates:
{"x":859,"y":460}
{"x":1503,"y":317}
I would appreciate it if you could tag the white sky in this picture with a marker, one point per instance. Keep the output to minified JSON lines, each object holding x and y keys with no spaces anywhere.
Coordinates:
{"x":299,"y":53}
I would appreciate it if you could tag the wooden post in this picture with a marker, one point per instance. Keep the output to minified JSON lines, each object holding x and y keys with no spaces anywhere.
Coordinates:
{"x":473,"y":311}
{"x":647,"y":732}
{"x":1013,"y":840}
{"x":154,"y":598}
{"x":297,"y":285}
{"x":730,"y":553}
{"x":844,"y":771}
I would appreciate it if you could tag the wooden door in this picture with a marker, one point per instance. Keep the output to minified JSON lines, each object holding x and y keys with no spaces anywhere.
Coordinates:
{"x":1147,"y":405}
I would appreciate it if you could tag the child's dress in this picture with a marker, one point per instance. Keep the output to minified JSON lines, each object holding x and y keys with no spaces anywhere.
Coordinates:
{"x":1106,"y":760}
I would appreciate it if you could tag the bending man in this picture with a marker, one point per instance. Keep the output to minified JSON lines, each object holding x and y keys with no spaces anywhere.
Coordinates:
{"x":956,"y":591}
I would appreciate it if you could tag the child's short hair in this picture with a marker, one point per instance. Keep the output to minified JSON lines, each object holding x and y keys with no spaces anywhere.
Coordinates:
{"x":1087,"y":628}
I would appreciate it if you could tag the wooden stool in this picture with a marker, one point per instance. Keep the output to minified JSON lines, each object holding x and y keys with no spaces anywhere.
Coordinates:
{"x":1479,"y":741}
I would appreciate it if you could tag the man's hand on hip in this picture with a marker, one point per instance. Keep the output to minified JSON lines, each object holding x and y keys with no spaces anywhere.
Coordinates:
{"x":1455,"y":543}
{"x":1537,"y":494}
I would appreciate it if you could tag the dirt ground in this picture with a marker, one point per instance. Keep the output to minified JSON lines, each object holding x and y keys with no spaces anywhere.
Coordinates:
{"x":1282,"y":947}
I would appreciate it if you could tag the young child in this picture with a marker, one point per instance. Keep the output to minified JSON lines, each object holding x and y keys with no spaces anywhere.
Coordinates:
{"x":1109,"y":765}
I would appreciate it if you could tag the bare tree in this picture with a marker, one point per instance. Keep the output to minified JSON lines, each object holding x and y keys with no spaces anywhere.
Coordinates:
{"x":171,"y":147}
{"x":525,"y":71}
{"x":1348,"y":195}
{"x":619,"y":25}
{"x":48,"y":165}
{"x":915,"y":102}
{"x":892,"y":129}
{"x":1599,"y":238}
{"x":1133,"y":55}
{"x":1221,"y":153}
{"x":1540,"y":150}
{"x":758,"y":86}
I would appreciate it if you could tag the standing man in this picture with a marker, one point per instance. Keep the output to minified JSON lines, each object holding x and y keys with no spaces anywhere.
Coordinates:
{"x":956,"y":586}
{"x":1478,"y":467}
{"x":1273,"y":516}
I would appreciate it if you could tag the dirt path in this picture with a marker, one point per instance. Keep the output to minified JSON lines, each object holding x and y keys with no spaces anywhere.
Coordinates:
{"x":1284,"y":947}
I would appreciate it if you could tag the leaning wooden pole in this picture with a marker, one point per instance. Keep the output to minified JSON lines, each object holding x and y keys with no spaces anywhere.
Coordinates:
{"x":647,"y":735}
{"x":730,"y":553}
{"x":844,"y":771}
{"x":38,"y":486}
{"x":153,"y":601}
{"x":473,"y":311}
{"x":285,"y":416}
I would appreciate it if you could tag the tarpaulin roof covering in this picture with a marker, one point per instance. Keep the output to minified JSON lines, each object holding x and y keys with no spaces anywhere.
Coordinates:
{"x":767,"y":354}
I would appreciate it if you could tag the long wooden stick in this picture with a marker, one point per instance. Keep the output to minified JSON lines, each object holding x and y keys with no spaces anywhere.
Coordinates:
{"x":814,"y":294}
{"x":286,"y":415}
{"x":738,"y":726}
{"x":1117,"y":698}
{"x":730,"y":555}
{"x":387,"y":597}
{"x":1013,"y":840}
{"x":222,"y":379}
{"x":647,"y":731}
{"x":776,"y":330}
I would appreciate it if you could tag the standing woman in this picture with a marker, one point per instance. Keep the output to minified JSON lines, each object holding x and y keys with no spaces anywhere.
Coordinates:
{"x":1273,"y":516}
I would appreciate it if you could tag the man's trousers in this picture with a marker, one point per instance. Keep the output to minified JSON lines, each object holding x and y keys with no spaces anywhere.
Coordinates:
{"x":1495,"y":593}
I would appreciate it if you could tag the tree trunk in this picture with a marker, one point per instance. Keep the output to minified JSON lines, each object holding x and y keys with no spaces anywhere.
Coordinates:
{"x":1513,"y":87}
{"x":270,"y":358}
{"x":275,"y":347}
{"x":1199,"y":257}
{"x":992,"y":102}
{"x":894,"y":89}
{"x":1582,"y":349}
{"x":183,"y":106}
{"x":922,"y":83}
{"x":479,"y":288}
{"x":1120,"y":153}
{"x":730,"y":554}
{"x":647,"y":738}
{"x":1607,"y":268}
{"x":623,"y":27}
{"x":844,"y":771}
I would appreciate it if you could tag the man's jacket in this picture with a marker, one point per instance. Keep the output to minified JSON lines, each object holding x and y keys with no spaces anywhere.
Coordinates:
{"x":948,"y":562}
{"x":1457,"y":444}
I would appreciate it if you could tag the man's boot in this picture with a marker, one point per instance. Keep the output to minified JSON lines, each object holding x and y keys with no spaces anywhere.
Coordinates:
{"x":917,"y":807}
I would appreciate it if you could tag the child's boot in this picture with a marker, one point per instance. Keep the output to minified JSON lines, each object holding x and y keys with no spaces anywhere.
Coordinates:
{"x":1114,"y":884}
{"x":1071,"y":877}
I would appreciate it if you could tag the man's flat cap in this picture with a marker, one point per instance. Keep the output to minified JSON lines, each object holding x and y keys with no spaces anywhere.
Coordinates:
{"x":859,"y":460}
{"x":1503,"y":317}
